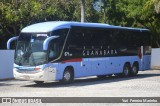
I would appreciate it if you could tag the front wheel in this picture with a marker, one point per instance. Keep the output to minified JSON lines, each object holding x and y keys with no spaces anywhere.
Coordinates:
{"x":67,"y":76}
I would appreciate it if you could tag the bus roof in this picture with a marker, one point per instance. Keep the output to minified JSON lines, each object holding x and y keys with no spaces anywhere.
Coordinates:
{"x":45,"y":27}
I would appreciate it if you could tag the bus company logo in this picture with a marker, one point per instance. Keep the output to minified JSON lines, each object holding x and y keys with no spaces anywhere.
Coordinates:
{"x":6,"y":100}
{"x":99,"y":52}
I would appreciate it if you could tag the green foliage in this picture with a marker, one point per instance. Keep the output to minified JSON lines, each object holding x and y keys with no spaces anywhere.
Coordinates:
{"x":18,"y":13}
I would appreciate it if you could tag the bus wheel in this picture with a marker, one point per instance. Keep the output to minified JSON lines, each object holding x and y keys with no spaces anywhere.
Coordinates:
{"x":135,"y":69}
{"x":39,"y":82}
{"x":126,"y":70}
{"x":67,"y":76}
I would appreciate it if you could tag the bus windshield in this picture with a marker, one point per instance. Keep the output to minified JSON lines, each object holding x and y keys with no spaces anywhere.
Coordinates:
{"x":29,"y":51}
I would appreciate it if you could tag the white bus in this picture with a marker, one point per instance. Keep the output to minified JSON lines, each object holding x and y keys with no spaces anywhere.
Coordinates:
{"x":62,"y":51}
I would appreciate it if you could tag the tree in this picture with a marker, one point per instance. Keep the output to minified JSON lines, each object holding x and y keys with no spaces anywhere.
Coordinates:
{"x":82,"y":10}
{"x":112,"y":12}
{"x":16,"y":14}
{"x":156,"y":5}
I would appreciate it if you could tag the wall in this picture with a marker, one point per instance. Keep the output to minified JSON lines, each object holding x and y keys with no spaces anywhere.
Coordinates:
{"x":6,"y":64}
{"x":155,"y":58}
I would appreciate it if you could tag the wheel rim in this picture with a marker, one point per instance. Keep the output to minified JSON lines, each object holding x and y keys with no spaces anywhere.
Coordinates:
{"x":67,"y":76}
{"x":126,"y":71}
{"x":134,"y":69}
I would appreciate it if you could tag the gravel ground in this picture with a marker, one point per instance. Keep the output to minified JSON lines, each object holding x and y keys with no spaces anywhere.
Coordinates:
{"x":145,"y":84}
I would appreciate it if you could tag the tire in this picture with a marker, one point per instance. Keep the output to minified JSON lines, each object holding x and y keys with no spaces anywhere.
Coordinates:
{"x":135,"y":69}
{"x":39,"y":82}
{"x":68,"y":76}
{"x":126,"y":70}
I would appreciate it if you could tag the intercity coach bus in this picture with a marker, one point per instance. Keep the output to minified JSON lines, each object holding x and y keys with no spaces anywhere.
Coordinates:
{"x":63,"y":51}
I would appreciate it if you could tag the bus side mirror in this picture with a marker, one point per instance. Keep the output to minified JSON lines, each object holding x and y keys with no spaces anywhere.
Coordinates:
{"x":47,"y":40}
{"x":10,"y":40}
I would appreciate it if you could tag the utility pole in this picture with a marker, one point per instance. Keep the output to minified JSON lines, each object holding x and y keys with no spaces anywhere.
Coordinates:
{"x":104,"y":7}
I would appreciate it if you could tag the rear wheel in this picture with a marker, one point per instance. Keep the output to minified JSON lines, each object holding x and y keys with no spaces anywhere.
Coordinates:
{"x":134,"y":70}
{"x":68,"y":76}
{"x":126,"y":70}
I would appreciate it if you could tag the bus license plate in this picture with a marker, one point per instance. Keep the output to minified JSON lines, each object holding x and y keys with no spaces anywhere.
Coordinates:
{"x":26,"y":77}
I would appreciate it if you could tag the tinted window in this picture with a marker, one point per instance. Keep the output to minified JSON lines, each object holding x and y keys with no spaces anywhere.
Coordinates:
{"x":56,"y":45}
{"x":128,"y":41}
{"x":81,"y":39}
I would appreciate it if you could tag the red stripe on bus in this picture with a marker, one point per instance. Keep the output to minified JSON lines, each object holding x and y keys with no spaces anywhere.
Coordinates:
{"x":73,"y":60}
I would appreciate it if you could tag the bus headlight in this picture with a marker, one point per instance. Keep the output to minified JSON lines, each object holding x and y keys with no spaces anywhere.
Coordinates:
{"x":37,"y":69}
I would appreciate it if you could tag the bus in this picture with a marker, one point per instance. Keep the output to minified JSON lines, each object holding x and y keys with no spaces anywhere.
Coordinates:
{"x":63,"y":51}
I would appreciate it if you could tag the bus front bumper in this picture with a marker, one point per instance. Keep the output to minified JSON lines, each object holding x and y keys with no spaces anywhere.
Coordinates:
{"x":41,"y":75}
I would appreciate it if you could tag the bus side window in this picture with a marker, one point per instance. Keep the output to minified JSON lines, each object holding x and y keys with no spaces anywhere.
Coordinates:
{"x":75,"y":42}
{"x":115,"y":37}
{"x":107,"y":38}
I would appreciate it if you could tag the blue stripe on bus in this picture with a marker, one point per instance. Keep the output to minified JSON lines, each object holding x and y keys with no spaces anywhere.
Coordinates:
{"x":101,"y":66}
